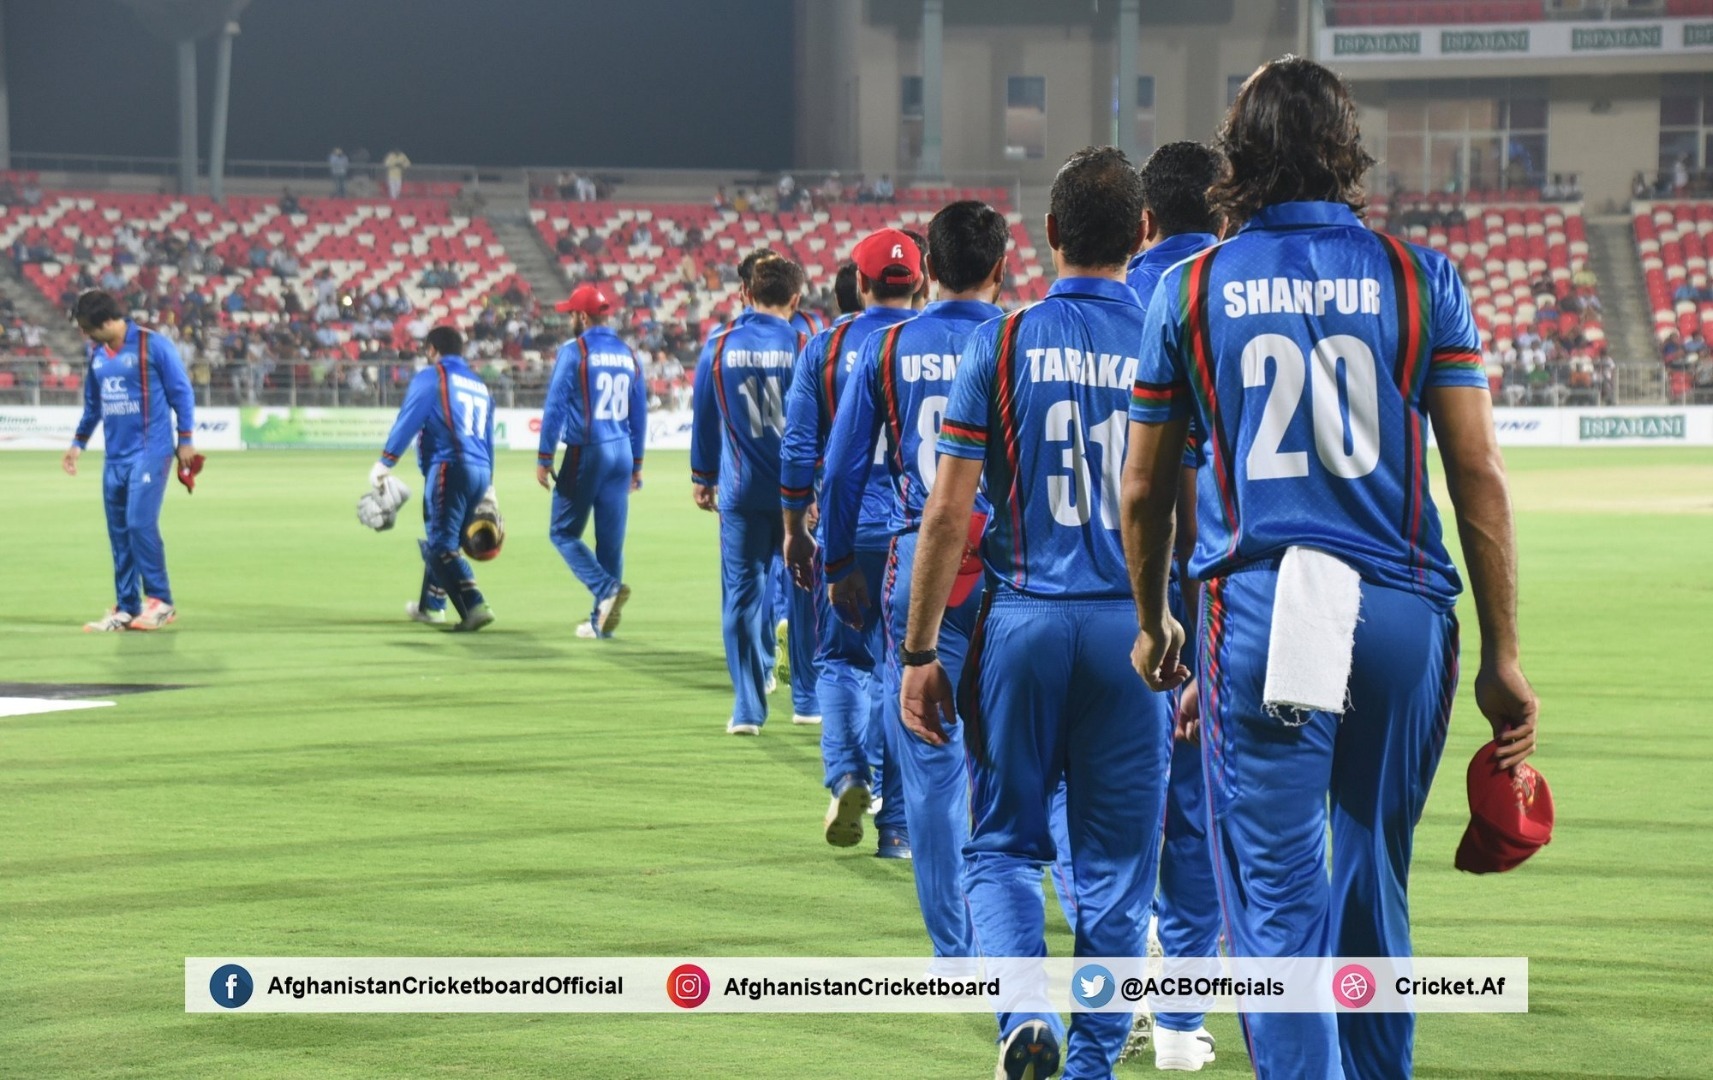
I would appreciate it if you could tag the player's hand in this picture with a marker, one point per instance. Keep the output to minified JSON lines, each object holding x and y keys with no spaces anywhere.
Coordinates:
{"x":379,"y":474}
{"x":800,"y":559}
{"x":636,"y":480}
{"x":69,"y":461}
{"x":186,"y":454}
{"x":706,"y":498}
{"x":1508,"y":702}
{"x":1186,"y":724}
{"x":544,"y":476}
{"x":1155,"y":656}
{"x":926,"y":704}
{"x":850,"y":598}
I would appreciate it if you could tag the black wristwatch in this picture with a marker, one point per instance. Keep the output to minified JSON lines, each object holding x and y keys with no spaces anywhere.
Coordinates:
{"x":917,"y":659}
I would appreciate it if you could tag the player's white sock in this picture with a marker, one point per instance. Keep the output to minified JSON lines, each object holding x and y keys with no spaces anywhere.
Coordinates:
{"x":417,"y":614}
{"x":799,"y":718}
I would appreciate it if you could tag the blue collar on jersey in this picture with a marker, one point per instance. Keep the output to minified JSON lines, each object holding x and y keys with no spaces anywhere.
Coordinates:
{"x":1096,"y":287}
{"x":962,"y":309}
{"x":1173,"y":249}
{"x":1303,"y":215}
{"x":595,"y":331}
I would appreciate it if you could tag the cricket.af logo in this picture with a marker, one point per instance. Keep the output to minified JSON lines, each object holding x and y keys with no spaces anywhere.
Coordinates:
{"x":231,"y":986}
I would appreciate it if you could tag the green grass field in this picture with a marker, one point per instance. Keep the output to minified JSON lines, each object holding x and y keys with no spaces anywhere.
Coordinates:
{"x":338,"y":781}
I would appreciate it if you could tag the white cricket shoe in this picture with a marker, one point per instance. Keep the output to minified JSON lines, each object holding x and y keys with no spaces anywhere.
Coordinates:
{"x":587,"y":630}
{"x":843,"y":822}
{"x":1182,"y":1051}
{"x":771,"y":685}
{"x":1155,"y":949}
{"x":417,"y":614}
{"x":607,"y":611}
{"x":735,"y":728}
{"x":1030,"y":1052}
{"x":113,"y":620}
{"x":155,"y":615}
{"x":799,"y":718}
{"x":1141,"y":1033}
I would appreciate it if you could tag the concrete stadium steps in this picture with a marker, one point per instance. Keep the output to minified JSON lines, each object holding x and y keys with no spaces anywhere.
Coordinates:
{"x":1612,"y":255}
{"x":535,"y":263}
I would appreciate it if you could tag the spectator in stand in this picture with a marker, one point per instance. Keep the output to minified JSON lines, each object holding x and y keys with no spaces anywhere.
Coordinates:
{"x":884,"y":192}
{"x":721,"y":200}
{"x":566,"y":245}
{"x":1680,"y":176}
{"x":1639,"y":187}
{"x":740,"y":202}
{"x":832,"y":189}
{"x":1671,"y":352}
{"x":289,"y":203}
{"x":395,"y":163}
{"x":32,"y":193}
{"x":587,"y":190}
{"x":1694,"y":347}
{"x":787,"y":193}
{"x":1684,"y":292}
{"x":112,"y":281}
{"x":1553,"y":189}
{"x":401,"y":305}
{"x":643,"y":237}
{"x":338,"y":167}
{"x":566,"y":184}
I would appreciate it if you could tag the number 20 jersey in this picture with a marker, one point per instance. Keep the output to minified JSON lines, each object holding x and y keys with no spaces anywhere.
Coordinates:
{"x":1040,"y":398}
{"x":1304,"y":347}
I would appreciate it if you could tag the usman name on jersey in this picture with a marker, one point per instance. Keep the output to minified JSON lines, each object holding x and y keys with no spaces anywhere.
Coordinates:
{"x":1301,"y":296}
{"x":934,"y":367}
{"x":1054,"y":364}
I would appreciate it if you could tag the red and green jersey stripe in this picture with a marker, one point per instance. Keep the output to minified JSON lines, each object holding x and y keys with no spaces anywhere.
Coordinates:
{"x":1193,"y":301}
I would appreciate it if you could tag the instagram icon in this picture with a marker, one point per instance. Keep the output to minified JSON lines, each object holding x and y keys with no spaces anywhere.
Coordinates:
{"x":687,"y":986}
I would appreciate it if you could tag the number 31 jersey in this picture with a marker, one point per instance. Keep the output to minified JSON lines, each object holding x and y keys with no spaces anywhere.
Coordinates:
{"x":1040,"y":398}
{"x":1304,"y":347}
{"x":738,"y":410}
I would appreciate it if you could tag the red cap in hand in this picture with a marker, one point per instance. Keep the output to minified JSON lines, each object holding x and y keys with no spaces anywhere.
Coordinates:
{"x":1510,"y":815}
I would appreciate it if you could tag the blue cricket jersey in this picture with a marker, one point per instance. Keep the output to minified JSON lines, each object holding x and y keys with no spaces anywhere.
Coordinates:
{"x":738,"y":410}
{"x":137,"y":403}
{"x":808,"y":322}
{"x":1304,"y":347}
{"x":452,"y":411}
{"x":901,"y":382}
{"x":596,"y":395}
{"x":1041,"y":398}
{"x":1146,"y":267}
{"x":817,"y":384}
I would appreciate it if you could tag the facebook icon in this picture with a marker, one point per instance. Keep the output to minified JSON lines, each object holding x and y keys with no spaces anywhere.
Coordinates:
{"x":231,"y":986}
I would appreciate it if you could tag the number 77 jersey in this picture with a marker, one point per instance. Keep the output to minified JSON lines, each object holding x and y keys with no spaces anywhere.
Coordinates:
{"x":1040,"y":398}
{"x":1305,"y":346}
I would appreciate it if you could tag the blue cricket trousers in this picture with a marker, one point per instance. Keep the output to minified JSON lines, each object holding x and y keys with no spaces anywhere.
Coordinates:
{"x":453,"y":490}
{"x":1271,"y":787}
{"x":749,"y":539}
{"x":593,"y":479}
{"x":132,"y":490}
{"x":932,"y":778}
{"x":797,"y":607}
{"x":850,"y":686}
{"x":1048,"y":692}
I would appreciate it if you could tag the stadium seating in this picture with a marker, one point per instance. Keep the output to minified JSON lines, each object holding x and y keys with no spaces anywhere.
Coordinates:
{"x":1502,"y":250}
{"x":1405,"y":13}
{"x":1675,"y":241}
{"x":367,"y":244}
{"x":819,"y":241}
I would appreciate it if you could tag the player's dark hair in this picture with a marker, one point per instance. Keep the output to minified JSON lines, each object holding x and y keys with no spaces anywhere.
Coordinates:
{"x":446,"y":341}
{"x":1175,"y":179}
{"x":845,"y":293}
{"x":746,"y":268}
{"x":921,"y":243}
{"x":966,"y":240}
{"x":1097,"y":203}
{"x":96,"y":307}
{"x":1291,"y":136}
{"x":774,"y":281}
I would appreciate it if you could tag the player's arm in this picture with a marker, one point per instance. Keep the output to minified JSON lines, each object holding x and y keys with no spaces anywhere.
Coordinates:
{"x":638,"y":424}
{"x":797,"y":462}
{"x":705,"y":433}
{"x":1461,"y":407}
{"x":925,"y":696}
{"x":844,"y":477}
{"x":1187,"y":721}
{"x":553,"y":410}
{"x":163,"y":354}
{"x":1480,"y":497}
{"x":85,"y":423}
{"x":413,"y":413}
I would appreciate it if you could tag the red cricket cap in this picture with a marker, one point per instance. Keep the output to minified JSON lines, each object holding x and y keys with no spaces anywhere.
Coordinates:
{"x":971,"y":570}
{"x":888,"y":256}
{"x":588,"y":299}
{"x":1510,"y":815}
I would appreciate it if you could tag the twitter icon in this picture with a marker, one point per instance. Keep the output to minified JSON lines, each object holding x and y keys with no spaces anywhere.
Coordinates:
{"x":1092,"y":986}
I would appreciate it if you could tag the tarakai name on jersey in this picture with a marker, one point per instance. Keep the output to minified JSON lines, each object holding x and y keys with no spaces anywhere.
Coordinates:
{"x":1054,"y":364}
{"x":1301,"y":296}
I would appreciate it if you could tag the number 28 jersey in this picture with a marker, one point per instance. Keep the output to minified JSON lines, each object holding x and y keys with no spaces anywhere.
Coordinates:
{"x":1040,"y":398}
{"x":1304,"y":348}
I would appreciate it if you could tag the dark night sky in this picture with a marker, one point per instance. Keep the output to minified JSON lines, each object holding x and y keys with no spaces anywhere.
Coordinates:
{"x":686,"y":83}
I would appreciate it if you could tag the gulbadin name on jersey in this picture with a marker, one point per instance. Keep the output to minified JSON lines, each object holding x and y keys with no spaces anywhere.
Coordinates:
{"x":757,"y":358}
{"x":1066,"y":364}
{"x":1301,"y":296}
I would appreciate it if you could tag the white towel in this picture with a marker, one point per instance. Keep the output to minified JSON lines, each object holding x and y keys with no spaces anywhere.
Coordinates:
{"x":1313,"y":633}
